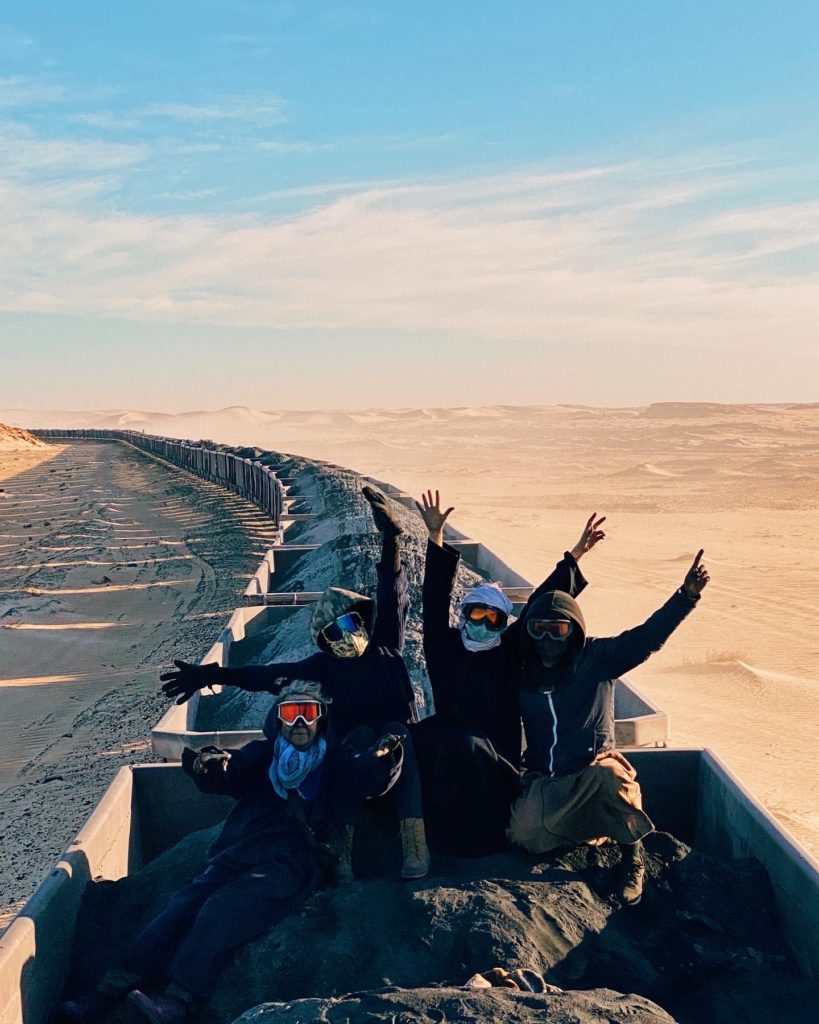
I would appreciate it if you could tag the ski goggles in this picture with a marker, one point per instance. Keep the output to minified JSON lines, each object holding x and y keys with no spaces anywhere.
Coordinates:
{"x":309,"y":711}
{"x":554,"y":629}
{"x":348,"y":623}
{"x":492,"y":618}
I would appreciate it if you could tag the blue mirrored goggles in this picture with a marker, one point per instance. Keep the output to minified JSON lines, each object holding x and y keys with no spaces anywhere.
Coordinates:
{"x":348,"y":623}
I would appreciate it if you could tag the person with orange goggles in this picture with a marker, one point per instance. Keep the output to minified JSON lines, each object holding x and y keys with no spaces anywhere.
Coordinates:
{"x":359,"y":663}
{"x":266,"y":860}
{"x":473,"y":741}
{"x":292,"y":711}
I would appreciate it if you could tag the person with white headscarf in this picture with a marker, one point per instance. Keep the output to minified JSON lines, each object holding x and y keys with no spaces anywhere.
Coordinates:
{"x":469,"y":750}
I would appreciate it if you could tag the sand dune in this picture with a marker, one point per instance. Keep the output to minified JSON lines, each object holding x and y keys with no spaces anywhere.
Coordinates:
{"x":692,"y":410}
{"x":643,"y":469}
{"x":14,"y":439}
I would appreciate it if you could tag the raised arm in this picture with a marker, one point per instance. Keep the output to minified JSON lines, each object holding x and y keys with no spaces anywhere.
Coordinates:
{"x":566,"y":575}
{"x":186,"y":679}
{"x":392,"y":591}
{"x":232,"y":773}
{"x":619,"y":654}
{"x":440,"y":570}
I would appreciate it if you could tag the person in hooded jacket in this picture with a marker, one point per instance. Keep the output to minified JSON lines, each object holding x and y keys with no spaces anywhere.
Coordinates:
{"x":360,"y":666}
{"x":469,"y":750}
{"x":577,"y":788}
{"x":290,"y":790}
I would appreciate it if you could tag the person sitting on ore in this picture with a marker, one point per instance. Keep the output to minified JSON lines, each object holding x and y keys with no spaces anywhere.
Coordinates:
{"x":577,"y":787}
{"x":469,"y":750}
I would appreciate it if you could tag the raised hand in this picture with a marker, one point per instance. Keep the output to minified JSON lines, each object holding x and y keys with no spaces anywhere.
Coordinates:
{"x":696,"y":578}
{"x":591,"y":535}
{"x":384,"y":517}
{"x":187,"y":679}
{"x":433,"y":517}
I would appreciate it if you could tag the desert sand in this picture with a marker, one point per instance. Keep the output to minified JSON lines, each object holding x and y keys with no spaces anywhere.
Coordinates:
{"x":742,"y":482}
{"x":107,"y":561}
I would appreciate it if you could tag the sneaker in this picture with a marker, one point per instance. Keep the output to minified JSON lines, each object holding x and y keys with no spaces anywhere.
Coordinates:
{"x":162,"y":1009}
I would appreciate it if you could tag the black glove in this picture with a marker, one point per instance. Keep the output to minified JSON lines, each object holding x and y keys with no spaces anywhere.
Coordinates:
{"x":189,"y":755}
{"x":187,"y":679}
{"x":200,"y":762}
{"x":383,"y":515}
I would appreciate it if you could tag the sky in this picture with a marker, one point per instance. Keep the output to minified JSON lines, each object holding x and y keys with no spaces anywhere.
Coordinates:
{"x":319,"y":204}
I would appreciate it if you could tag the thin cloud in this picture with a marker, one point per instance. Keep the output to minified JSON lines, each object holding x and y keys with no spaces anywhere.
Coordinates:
{"x":25,"y":154}
{"x":26,"y":91}
{"x":607,"y":254}
{"x":399,"y":143}
{"x":258,"y":109}
{"x":190,"y":195}
{"x":106,"y":121}
{"x":12,"y":39}
{"x":275,"y":146}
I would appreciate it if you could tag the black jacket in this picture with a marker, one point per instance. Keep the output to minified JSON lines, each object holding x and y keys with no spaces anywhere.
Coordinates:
{"x":477,"y":690}
{"x":568,"y":711}
{"x":373,"y":689}
{"x":263,"y":827}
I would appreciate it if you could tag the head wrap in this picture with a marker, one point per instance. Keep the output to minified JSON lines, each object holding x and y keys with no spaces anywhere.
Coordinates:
{"x":490,"y":595}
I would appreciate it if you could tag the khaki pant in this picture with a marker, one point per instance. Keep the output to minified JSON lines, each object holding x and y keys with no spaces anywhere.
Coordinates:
{"x":600,"y":802}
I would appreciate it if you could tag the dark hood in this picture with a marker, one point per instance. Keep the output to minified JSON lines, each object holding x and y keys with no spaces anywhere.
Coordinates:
{"x":337,"y":601}
{"x":552,"y":604}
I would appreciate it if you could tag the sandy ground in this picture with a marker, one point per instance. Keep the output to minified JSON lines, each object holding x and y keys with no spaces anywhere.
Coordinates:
{"x":740,"y":676}
{"x":110,"y":563}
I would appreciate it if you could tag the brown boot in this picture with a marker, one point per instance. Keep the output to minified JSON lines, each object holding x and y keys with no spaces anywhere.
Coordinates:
{"x":633,"y":873}
{"x":343,"y":849}
{"x":414,"y":846}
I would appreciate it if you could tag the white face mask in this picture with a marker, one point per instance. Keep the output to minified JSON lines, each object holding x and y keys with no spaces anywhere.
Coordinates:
{"x":351,"y":645}
{"x":477,"y":637}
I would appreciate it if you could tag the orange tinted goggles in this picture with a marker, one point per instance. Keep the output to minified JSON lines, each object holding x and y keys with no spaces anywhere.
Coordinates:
{"x":555,"y":629}
{"x":308,"y":711}
{"x":492,"y":617}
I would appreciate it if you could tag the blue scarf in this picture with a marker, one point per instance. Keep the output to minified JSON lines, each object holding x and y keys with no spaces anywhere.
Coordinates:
{"x":290,"y":767}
